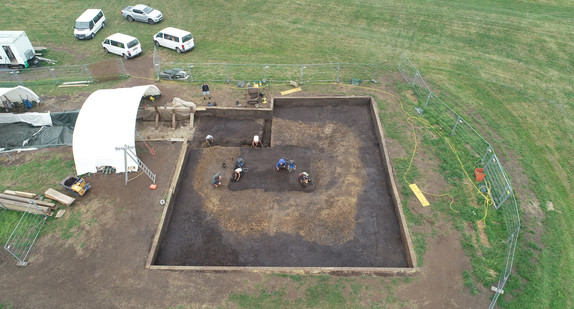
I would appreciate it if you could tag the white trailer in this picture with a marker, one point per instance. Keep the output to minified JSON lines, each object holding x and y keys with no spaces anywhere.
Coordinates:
{"x":15,"y":49}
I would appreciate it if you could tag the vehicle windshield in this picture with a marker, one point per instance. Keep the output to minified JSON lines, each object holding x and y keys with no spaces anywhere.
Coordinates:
{"x":187,"y":38}
{"x":147,"y":10}
{"x":133,"y":43}
{"x":82,"y":25}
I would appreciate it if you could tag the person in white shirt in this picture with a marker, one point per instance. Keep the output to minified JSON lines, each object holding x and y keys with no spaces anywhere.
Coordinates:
{"x":256,"y":142}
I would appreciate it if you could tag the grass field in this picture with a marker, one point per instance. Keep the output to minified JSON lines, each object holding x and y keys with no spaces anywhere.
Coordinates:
{"x":506,"y":65}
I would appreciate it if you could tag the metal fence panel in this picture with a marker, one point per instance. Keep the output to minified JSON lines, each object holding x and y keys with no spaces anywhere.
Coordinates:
{"x":37,"y":76}
{"x":407,"y":69}
{"x":475,"y":151}
{"x":218,"y":72}
{"x":71,"y":73}
{"x":25,"y":234}
{"x":9,"y":78}
{"x":281,"y":73}
{"x":275,"y":73}
{"x":55,"y":75}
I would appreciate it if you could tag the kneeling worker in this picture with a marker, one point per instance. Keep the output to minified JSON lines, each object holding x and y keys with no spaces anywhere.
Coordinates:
{"x":291,"y":166}
{"x":256,"y":142}
{"x":303,"y":178}
{"x":281,"y":164}
{"x":237,"y":174}
{"x":209,"y":140}
{"x":216,"y":179}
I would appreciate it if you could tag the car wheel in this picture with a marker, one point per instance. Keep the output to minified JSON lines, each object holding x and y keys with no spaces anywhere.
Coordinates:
{"x":106,"y":50}
{"x":92,"y":36}
{"x":178,"y":50}
{"x":130,"y":18}
{"x":103,"y":24}
{"x":125,"y":56}
{"x":156,"y":43}
{"x":150,"y":21}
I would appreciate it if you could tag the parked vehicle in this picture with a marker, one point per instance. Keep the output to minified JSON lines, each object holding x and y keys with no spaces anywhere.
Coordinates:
{"x":123,"y":45}
{"x":177,"y":39}
{"x":89,"y":23}
{"x":174,"y":74}
{"x":16,"y":49}
{"x":143,"y":13}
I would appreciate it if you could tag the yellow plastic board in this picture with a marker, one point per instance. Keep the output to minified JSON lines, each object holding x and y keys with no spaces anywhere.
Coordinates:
{"x":419,"y":195}
{"x":286,"y":92}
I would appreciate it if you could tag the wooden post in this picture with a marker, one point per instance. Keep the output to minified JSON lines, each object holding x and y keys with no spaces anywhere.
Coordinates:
{"x":156,"y":117}
{"x":191,"y":117}
{"x":173,"y":122}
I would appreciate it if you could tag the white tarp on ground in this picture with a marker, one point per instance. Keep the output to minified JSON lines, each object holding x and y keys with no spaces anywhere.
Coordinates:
{"x":17,"y":94}
{"x":35,"y":119}
{"x":105,"y":125}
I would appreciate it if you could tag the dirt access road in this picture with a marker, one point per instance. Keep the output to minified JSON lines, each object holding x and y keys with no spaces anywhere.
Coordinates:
{"x":103,"y":264}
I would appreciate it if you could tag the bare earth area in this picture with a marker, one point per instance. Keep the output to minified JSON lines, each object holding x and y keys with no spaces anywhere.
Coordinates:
{"x":346,"y":218}
{"x":103,"y":264}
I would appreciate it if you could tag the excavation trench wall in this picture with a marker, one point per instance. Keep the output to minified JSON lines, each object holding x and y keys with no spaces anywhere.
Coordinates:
{"x":182,"y":243}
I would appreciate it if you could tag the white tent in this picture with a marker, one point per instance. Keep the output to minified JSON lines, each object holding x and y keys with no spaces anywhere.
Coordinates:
{"x":106,"y":124}
{"x":17,"y":94}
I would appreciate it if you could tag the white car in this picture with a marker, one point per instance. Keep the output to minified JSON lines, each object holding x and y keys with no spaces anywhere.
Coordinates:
{"x":177,"y":39}
{"x":123,"y":45}
{"x":143,"y":13}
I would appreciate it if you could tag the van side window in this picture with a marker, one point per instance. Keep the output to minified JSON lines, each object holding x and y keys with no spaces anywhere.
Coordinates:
{"x":117,"y":44}
{"x":159,"y":35}
{"x":107,"y":41}
{"x":98,"y":17}
{"x":91,"y":24}
{"x":176,"y":39}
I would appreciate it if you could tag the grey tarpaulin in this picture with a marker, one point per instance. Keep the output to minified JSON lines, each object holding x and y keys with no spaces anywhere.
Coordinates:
{"x":21,"y":135}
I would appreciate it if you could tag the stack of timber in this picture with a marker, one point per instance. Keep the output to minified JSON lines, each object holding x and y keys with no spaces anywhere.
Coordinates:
{"x":19,"y":203}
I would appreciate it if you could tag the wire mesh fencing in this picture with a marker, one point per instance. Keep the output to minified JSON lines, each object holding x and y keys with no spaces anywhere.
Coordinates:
{"x":275,"y":73}
{"x":25,"y":233}
{"x":56,"y":75}
{"x":474,"y":151}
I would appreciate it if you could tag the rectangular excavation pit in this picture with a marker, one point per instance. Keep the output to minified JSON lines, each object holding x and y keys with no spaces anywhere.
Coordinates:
{"x":350,"y":219}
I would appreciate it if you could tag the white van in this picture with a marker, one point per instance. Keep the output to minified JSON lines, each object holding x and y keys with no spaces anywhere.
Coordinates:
{"x":174,"y":38}
{"x":123,"y":45}
{"x":89,"y":23}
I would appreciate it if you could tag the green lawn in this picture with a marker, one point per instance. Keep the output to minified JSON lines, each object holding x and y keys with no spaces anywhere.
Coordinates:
{"x":505,"y":65}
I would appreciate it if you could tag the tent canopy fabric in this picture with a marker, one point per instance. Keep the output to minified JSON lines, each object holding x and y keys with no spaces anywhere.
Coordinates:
{"x":35,"y":119}
{"x":106,"y":124}
{"x":19,"y":93}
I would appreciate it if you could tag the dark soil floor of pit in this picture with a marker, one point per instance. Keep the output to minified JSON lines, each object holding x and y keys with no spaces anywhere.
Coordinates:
{"x":346,"y":218}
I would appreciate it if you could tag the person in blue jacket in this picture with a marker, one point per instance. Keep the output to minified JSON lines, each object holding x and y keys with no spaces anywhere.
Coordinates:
{"x":282,"y":163}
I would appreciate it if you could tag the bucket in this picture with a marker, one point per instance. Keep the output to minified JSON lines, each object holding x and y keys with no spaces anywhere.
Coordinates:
{"x":479,"y":174}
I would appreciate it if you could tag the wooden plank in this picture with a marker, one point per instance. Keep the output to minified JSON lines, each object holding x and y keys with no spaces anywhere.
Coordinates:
{"x":60,"y":213}
{"x":286,"y":92}
{"x":22,"y":204}
{"x":21,"y":194}
{"x":18,"y":206}
{"x":25,"y":200}
{"x":60,"y":197}
{"x":74,"y":85}
{"x":419,"y":195}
